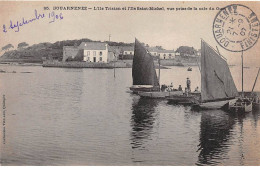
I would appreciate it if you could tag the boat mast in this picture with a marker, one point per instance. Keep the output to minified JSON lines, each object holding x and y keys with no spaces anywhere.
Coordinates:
{"x":256,"y":79}
{"x":197,"y":60}
{"x":159,"y":72}
{"x":114,"y":63}
{"x":242,"y":74}
{"x":114,"y":70}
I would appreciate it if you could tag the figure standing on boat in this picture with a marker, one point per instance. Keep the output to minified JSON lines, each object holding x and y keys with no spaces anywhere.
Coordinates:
{"x":171,"y":87}
{"x":196,"y":89}
{"x":180,"y":88}
{"x":188,"y":84}
{"x":186,"y":91}
{"x":163,"y":87}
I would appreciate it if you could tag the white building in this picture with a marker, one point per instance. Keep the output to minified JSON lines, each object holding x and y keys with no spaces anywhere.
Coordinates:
{"x":162,"y":53}
{"x":166,"y":54}
{"x":128,"y":50}
{"x":177,"y":54}
{"x":153,"y":51}
{"x":94,"y":51}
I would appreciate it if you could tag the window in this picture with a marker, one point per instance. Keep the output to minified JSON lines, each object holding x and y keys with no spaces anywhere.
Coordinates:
{"x":170,"y":54}
{"x":125,"y":53}
{"x":159,"y":54}
{"x":164,"y":55}
{"x":94,"y":53}
{"x":88,"y":53}
{"x":130,"y":53}
{"x":88,"y":58}
{"x":100,"y":59}
{"x":100,"y":54}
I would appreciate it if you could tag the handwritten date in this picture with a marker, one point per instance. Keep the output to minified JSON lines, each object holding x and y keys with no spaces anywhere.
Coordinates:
{"x":17,"y":25}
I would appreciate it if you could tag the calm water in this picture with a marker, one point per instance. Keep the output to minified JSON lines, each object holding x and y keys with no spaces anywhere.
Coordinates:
{"x":58,"y":116}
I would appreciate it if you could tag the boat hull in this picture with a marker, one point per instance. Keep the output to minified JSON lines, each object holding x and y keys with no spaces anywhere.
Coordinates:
{"x":144,"y":88}
{"x":185,"y":100}
{"x":256,"y":106}
{"x":215,"y":104}
{"x":243,"y":107}
{"x":159,"y":95}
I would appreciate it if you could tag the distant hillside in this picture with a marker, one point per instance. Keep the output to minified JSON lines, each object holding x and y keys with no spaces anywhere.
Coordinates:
{"x":37,"y":52}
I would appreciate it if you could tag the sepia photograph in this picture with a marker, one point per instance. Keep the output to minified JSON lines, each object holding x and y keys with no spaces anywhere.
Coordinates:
{"x":129,"y":83}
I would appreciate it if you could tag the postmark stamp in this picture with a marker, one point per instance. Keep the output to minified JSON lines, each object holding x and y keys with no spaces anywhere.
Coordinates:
{"x":236,"y":28}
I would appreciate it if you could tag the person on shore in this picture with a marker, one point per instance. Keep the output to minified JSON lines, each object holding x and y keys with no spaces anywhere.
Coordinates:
{"x":188,"y":84}
{"x":180,"y":88}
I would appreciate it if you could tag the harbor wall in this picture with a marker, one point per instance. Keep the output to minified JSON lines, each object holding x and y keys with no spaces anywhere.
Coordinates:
{"x":76,"y":64}
{"x":110,"y":65}
{"x":165,"y":62}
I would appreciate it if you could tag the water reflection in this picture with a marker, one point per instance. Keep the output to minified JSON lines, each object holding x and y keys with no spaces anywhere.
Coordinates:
{"x":67,"y":117}
{"x":215,"y":131}
{"x":142,"y":121}
{"x":256,"y":114}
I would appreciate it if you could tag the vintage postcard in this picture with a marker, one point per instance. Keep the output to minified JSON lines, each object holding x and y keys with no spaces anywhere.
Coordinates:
{"x":148,"y":83}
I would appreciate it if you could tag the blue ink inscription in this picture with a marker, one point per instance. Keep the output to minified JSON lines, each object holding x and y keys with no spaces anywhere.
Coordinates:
{"x":54,"y":17}
{"x":4,"y":29}
{"x":37,"y":16}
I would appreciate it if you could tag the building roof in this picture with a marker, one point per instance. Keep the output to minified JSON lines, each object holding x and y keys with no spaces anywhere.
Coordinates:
{"x":155,"y":49}
{"x":152,"y":49}
{"x":165,"y":51}
{"x":127,"y":48}
{"x":93,"y":46}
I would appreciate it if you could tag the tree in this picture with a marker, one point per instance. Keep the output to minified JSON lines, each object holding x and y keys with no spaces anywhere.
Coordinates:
{"x":7,"y":47}
{"x":186,"y":50}
{"x":22,"y":45}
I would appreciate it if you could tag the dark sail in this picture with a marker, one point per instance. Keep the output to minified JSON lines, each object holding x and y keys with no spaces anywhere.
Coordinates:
{"x":143,"y":69}
{"x":216,"y":79}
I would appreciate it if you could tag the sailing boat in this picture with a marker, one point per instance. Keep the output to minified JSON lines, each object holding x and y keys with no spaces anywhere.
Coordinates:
{"x":145,"y":81}
{"x":255,"y":96}
{"x":217,"y":85}
{"x":243,"y":104}
{"x":143,"y":70}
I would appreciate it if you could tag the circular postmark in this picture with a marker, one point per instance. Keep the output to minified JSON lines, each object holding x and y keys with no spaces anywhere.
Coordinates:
{"x":236,"y":28}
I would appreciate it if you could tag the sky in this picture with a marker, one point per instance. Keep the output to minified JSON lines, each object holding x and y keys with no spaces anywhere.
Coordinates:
{"x":169,"y":29}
